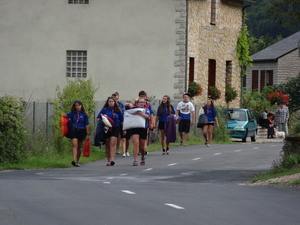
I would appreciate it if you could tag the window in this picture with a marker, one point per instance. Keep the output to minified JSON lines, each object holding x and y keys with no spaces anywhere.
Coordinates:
{"x":262,"y":79}
{"x":213,"y":13}
{"x":228,"y":72}
{"x":266,"y":78}
{"x":191,"y":69}
{"x":76,"y":63}
{"x":211,"y":72}
{"x":78,"y":1}
{"x":254,"y":79}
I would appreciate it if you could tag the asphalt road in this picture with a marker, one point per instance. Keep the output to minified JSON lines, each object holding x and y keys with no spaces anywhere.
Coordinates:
{"x":192,"y":185}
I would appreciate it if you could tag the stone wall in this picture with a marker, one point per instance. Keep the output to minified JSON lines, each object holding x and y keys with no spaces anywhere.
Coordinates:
{"x":288,"y":66}
{"x":218,"y":42}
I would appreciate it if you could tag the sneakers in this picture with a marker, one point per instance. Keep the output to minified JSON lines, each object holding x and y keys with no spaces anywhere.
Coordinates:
{"x":75,"y":163}
{"x":126,"y":154}
{"x":108,"y":164}
{"x":206,"y":142}
{"x":208,"y":145}
{"x":163,"y":152}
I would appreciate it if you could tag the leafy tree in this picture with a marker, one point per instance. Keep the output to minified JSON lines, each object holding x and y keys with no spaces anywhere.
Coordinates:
{"x":285,"y":12}
{"x":261,"y":24}
{"x":291,"y":88}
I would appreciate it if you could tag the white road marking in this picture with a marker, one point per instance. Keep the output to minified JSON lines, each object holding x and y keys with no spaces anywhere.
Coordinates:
{"x":196,"y":158}
{"x":106,"y":182}
{"x":172,"y":164}
{"x":273,"y":145}
{"x":255,"y":148}
{"x":128,"y":192}
{"x":124,"y":174}
{"x":217,"y":153}
{"x":109,"y":178}
{"x":174,"y":206}
{"x":237,"y":150}
{"x":39,"y":173}
{"x":148,"y":169}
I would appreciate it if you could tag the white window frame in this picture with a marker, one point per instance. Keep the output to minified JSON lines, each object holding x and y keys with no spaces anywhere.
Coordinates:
{"x":76,"y":64}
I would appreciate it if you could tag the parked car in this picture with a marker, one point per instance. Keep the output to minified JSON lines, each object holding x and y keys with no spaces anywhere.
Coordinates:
{"x":241,"y":123}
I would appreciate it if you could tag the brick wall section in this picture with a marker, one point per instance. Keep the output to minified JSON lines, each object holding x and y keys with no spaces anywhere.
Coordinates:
{"x":286,"y":66}
{"x":180,"y":63}
{"x":216,"y":42}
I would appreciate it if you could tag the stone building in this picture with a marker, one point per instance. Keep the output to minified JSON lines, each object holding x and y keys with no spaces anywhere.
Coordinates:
{"x":123,"y":45}
{"x":274,"y":64}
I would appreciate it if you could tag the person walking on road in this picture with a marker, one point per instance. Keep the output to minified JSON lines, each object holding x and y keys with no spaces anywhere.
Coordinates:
{"x":112,"y":110}
{"x":79,"y":117}
{"x":211,"y":114}
{"x":185,"y":110}
{"x":164,"y":110}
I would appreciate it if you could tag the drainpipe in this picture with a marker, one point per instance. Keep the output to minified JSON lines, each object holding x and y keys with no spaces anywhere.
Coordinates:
{"x":186,"y":43}
{"x":243,"y":23}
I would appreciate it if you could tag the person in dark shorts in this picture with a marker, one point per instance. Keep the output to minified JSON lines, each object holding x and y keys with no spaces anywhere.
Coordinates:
{"x":211,"y":115}
{"x":139,"y":135}
{"x":186,"y":110}
{"x":164,"y":110}
{"x":79,"y":117}
{"x":113,"y":111}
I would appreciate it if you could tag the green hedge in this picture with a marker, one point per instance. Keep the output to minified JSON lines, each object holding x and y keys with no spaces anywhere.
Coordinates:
{"x":12,"y":130}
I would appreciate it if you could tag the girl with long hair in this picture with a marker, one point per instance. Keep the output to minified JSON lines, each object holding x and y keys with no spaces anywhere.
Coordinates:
{"x":80,"y":118}
{"x":112,"y":110}
{"x":164,"y":110}
{"x":208,"y":128}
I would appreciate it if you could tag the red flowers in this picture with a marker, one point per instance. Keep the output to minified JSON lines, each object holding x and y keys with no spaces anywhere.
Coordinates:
{"x":277,"y":97}
{"x":214,"y":93}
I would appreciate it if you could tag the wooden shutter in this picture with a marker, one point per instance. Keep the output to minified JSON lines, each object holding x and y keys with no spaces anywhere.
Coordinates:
{"x":211,"y":72}
{"x":191,"y":69}
{"x":254,"y":79}
{"x":262,"y":79}
{"x":271,"y":78}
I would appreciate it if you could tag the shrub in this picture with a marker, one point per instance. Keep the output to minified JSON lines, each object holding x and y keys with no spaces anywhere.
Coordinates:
{"x":221,"y":134}
{"x":78,"y":89}
{"x":12,"y":130}
{"x":277,"y":97}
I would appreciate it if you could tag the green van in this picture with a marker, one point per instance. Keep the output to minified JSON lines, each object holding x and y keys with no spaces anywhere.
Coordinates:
{"x":241,"y":123}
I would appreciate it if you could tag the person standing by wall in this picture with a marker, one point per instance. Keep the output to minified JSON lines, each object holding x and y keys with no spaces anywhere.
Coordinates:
{"x":112,"y":110}
{"x":211,"y":114}
{"x":283,"y":115}
{"x":186,"y":110}
{"x":79,"y":117}
{"x":164,"y":110}
{"x":122,"y":107}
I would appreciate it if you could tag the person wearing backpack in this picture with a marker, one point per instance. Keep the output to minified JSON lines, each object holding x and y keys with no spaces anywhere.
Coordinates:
{"x":81,"y":131}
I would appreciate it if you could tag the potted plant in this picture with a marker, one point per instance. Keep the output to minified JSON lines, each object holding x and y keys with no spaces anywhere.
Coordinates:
{"x":214,"y":93}
{"x":195,"y":89}
{"x":230,"y":94}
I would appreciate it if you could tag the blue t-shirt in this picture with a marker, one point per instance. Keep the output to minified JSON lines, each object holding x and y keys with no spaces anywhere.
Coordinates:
{"x":79,"y":118}
{"x":147,"y":111}
{"x":211,"y":113}
{"x":164,"y":116}
{"x":121,"y":105}
{"x":118,"y":118}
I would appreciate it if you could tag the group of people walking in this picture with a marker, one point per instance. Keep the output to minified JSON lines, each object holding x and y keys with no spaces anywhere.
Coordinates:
{"x":165,"y":121}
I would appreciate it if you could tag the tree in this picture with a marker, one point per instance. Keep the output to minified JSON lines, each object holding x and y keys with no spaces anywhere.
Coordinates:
{"x":285,"y":12}
{"x":291,"y":88}
{"x":263,"y":42}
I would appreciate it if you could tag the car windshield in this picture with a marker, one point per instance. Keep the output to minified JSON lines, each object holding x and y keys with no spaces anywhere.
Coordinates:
{"x":237,"y":115}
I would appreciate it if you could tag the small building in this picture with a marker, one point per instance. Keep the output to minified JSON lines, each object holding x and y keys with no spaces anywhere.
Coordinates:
{"x":274,"y":64}
{"x":124,"y":45}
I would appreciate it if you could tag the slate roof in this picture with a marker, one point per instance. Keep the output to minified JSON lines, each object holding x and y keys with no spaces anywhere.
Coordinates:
{"x":277,"y":50}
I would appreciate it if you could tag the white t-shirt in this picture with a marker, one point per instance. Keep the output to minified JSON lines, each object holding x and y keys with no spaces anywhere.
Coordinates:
{"x":185,"y":109}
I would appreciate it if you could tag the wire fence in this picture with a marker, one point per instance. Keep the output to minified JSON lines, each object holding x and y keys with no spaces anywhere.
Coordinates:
{"x":38,"y":115}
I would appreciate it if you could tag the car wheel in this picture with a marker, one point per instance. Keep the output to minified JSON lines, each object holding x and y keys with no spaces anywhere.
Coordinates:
{"x":245,"y":138}
{"x":253,"y":138}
